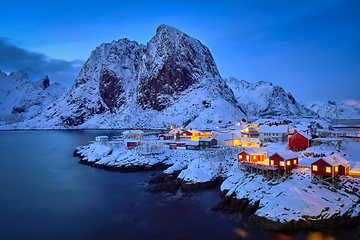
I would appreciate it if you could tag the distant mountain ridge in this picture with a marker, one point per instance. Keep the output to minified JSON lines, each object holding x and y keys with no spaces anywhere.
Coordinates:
{"x":25,"y":94}
{"x":333,"y":110}
{"x":264,"y":99}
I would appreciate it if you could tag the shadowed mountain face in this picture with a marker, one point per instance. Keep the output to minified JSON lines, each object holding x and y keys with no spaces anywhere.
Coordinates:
{"x":130,"y":80}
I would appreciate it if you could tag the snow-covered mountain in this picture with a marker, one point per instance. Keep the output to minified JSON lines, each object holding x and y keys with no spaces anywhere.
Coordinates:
{"x":333,"y":110}
{"x":173,"y":80}
{"x":264,"y":99}
{"x":24,"y":94}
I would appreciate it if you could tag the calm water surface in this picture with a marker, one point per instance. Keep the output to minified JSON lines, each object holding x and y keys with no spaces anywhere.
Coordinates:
{"x":46,"y":194}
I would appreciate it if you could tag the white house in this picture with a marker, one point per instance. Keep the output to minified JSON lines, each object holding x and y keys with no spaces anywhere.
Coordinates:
{"x":273,"y":133}
{"x":101,"y":138}
{"x":229,"y":138}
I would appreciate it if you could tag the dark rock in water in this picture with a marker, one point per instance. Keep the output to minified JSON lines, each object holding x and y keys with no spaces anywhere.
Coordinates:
{"x":190,"y":187}
{"x":251,"y":208}
{"x":166,"y":183}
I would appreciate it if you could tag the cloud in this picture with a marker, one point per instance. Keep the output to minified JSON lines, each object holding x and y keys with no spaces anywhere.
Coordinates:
{"x":13,"y":58}
{"x":351,"y":102}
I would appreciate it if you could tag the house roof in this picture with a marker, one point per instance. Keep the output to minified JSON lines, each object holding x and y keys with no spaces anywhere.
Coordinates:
{"x":192,"y":143}
{"x":304,"y":134}
{"x":206,"y":139}
{"x":226,"y":135}
{"x":273,"y":129}
{"x":167,"y":134}
{"x":286,"y":154}
{"x":193,"y":131}
{"x":254,"y":150}
{"x":335,"y":160}
{"x":175,"y":130}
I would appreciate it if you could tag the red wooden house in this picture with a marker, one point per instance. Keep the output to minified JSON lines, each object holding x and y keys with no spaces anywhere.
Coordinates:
{"x":133,"y":143}
{"x":299,"y":141}
{"x":284,"y":160}
{"x":168,"y":136}
{"x":330,"y":166}
{"x":252,"y":154}
{"x":191,"y":134}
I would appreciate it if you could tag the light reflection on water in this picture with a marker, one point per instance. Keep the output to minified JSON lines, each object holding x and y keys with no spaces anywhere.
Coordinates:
{"x":46,"y":194}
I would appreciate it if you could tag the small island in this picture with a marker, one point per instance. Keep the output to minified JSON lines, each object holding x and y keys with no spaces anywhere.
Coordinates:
{"x":271,"y":172}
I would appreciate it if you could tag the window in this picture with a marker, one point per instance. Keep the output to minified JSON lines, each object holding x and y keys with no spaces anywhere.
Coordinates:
{"x":247,"y":157}
{"x":336,"y":169}
{"x":294,"y":161}
{"x":281,"y":163}
{"x":271,"y":162}
{"x":288,"y":163}
{"x":328,"y":169}
{"x":315,"y":168}
{"x":254,"y":157}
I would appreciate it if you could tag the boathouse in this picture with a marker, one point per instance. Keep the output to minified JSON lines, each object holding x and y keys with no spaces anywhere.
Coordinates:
{"x":330,"y":166}
{"x":133,"y":143}
{"x":168,"y":136}
{"x":191,"y":134}
{"x":284,"y":160}
{"x":192,"y":145}
{"x":207,"y":142}
{"x":299,"y":141}
{"x":253,"y":154}
{"x":101,"y":138}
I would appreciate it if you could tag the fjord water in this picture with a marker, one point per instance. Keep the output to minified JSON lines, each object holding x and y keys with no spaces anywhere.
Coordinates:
{"x":46,"y":194}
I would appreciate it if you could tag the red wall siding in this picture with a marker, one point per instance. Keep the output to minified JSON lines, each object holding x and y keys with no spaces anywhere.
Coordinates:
{"x":258,"y":157}
{"x":277,"y":160}
{"x":242,"y":155}
{"x":298,"y":141}
{"x":322,"y":169}
{"x":133,"y":144}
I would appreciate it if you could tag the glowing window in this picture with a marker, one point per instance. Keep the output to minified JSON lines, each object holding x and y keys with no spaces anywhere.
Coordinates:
{"x":254,"y":157}
{"x":247,"y":157}
{"x":281,"y":163}
{"x":288,"y":163}
{"x":336,"y":169}
{"x":315,"y":168}
{"x":294,"y":161}
{"x":272,"y":162}
{"x":328,"y":169}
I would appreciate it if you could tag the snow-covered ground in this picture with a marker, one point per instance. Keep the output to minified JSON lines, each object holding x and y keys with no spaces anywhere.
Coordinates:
{"x":283,"y":200}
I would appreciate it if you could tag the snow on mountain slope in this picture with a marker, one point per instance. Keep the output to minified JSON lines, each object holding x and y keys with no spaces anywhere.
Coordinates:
{"x":22,"y":99}
{"x":333,"y":110}
{"x":173,"y":80}
{"x":264,"y":99}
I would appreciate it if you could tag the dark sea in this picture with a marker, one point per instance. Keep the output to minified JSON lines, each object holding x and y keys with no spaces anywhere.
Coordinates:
{"x":46,"y":194}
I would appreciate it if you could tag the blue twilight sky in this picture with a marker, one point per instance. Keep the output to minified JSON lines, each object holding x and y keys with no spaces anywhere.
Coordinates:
{"x":310,"y":48}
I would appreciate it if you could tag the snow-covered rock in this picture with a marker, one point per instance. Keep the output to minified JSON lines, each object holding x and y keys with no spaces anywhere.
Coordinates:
{"x":333,"y":110}
{"x":25,"y":94}
{"x":264,"y":99}
{"x":173,"y":80}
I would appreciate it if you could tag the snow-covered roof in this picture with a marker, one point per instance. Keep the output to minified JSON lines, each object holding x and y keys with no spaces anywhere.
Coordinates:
{"x":304,"y":134}
{"x":287,"y":154}
{"x":132,"y":132}
{"x":167,"y":134}
{"x":206,"y":139}
{"x":225,"y":136}
{"x":175,"y":130}
{"x":335,"y":160}
{"x":102,"y":137}
{"x":192,"y":143}
{"x":254,"y":150}
{"x":193,"y":131}
{"x":273,"y":129}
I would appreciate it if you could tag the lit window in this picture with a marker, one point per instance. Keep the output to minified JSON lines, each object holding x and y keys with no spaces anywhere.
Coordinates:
{"x":294,"y":161}
{"x":272,"y":162}
{"x":247,"y":157}
{"x":288,"y":163}
{"x":281,"y":163}
{"x":328,"y":169}
{"x":315,"y":168}
{"x":254,"y":157}
{"x":336,"y":169}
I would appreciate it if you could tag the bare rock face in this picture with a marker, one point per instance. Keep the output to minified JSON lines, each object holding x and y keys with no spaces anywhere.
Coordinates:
{"x":174,"y":62}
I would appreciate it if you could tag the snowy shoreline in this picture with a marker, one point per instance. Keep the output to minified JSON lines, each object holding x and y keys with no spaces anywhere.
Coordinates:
{"x":289,"y":204}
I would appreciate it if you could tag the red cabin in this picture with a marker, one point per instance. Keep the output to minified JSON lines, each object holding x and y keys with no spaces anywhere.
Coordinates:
{"x":252,"y":154}
{"x":166,"y":136}
{"x":299,"y":141}
{"x":330,"y":166}
{"x":133,"y":143}
{"x":284,"y":160}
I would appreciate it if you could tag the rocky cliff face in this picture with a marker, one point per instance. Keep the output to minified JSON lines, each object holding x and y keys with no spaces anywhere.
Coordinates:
{"x":24,"y":94}
{"x":172,"y":80}
{"x":264,"y":99}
